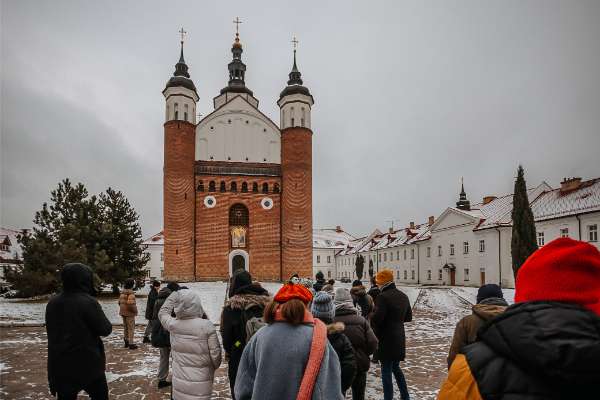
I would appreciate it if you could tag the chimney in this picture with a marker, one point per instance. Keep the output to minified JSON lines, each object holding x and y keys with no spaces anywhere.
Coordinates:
{"x":431,"y":220}
{"x":488,"y":199}
{"x":338,"y":228}
{"x":570,"y":184}
{"x":412,"y":225}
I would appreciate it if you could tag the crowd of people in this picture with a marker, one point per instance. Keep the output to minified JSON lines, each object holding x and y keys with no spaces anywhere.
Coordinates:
{"x":318,"y":341}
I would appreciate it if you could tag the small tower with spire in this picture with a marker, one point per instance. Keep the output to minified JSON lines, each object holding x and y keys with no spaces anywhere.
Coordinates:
{"x":463,"y":203}
{"x":295,"y":102}
{"x":178,"y":172}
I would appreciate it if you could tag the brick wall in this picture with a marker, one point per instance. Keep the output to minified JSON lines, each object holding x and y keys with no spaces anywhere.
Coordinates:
{"x":178,"y":200}
{"x":296,"y":201}
{"x":212,"y":228}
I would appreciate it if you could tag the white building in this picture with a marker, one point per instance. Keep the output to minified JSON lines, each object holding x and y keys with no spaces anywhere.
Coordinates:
{"x":154,"y":246}
{"x":470,"y":245}
{"x":326,"y":244}
{"x":11,"y":253}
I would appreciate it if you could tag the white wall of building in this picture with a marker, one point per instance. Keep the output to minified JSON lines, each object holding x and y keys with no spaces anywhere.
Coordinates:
{"x":155,"y":267}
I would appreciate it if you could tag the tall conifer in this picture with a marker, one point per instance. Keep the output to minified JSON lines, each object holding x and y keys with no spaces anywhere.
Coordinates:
{"x":523,"y":242}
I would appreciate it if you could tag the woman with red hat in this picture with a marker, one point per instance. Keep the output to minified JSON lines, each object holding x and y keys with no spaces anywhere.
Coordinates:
{"x":289,"y":358}
{"x":546,"y":345}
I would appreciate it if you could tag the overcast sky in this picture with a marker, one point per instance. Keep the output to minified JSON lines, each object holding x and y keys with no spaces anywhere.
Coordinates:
{"x":409,"y":96}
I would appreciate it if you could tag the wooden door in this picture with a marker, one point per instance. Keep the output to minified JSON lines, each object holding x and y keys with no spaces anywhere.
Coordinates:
{"x":452,"y":277}
{"x":482,"y":274}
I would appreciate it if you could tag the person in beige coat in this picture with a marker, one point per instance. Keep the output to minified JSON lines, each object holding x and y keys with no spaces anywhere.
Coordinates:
{"x":195,"y":347}
{"x":128,"y":311}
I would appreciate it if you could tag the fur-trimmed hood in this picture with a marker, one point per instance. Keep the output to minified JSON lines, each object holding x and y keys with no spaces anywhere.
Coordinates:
{"x":244,"y":301}
{"x":336,"y":327}
{"x":358,"y":291}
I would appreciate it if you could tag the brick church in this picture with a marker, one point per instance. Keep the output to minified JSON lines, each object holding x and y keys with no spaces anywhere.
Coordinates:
{"x":237,"y":186}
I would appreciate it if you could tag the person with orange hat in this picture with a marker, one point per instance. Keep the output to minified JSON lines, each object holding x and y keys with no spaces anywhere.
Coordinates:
{"x":547,"y":344}
{"x":392,"y":310}
{"x":290,"y":357}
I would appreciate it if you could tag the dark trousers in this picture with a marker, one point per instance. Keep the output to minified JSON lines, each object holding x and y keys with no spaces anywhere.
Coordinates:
{"x":359,"y":385}
{"x":387,"y":369}
{"x":234,"y":363}
{"x":97,"y":390}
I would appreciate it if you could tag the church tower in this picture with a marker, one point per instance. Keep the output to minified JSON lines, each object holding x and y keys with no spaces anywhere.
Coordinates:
{"x":178,"y":173}
{"x":295,"y":102}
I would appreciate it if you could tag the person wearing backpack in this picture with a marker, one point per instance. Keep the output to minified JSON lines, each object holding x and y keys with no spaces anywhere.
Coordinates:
{"x":290,"y":358}
{"x":241,"y":317}
{"x":160,"y":337}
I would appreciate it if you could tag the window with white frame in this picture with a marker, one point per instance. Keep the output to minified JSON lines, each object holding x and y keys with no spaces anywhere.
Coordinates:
{"x":593,"y":233}
{"x":398,"y":274}
{"x":379,"y":257}
{"x":391,"y":256}
{"x":439,"y":251}
{"x":564,"y":232}
{"x":440,"y":274}
{"x":451,"y":249}
{"x":384,"y":256}
{"x":412,"y":254}
{"x":412,"y":274}
{"x":465,"y":247}
{"x":428,"y":252}
{"x":328,"y":259}
{"x":398,"y":255}
{"x":318,"y":259}
{"x":428,"y":274}
{"x":466,"y":274}
{"x":482,"y":246}
{"x":405,"y":274}
{"x":540,"y":238}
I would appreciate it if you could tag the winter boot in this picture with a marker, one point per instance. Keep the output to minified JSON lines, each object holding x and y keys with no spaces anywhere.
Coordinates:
{"x":162,"y":384}
{"x":146,"y":339}
{"x":133,"y":346}
{"x":126,"y":343}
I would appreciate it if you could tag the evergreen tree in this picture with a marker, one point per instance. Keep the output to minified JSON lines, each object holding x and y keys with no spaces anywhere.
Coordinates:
{"x":360,"y":266}
{"x":523,"y":242}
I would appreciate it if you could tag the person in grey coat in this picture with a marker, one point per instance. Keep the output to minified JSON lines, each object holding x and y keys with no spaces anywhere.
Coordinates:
{"x":273,"y":362}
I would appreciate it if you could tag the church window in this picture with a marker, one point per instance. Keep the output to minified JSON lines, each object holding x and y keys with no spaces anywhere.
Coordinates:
{"x":185,"y":112}
{"x":244,"y":187}
{"x":282,"y":118}
{"x":176,"y":108}
{"x":168,"y":112}
{"x":222,"y":188}
{"x":247,"y":121}
{"x":233,"y":186}
{"x":254,"y":187}
{"x":276,"y":188}
{"x":211,"y":186}
{"x":238,"y":225}
{"x":292,"y":116}
{"x":303,"y":117}
{"x":265,"y":187}
{"x":200,"y":187}
{"x":292,"y":124}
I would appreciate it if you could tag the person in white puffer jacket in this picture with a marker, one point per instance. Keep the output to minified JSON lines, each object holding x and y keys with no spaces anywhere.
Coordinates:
{"x":195,"y":347}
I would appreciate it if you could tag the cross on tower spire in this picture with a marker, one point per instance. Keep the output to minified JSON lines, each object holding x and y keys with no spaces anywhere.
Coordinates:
{"x":182,"y":33}
{"x":237,"y":21}
{"x":295,"y":43}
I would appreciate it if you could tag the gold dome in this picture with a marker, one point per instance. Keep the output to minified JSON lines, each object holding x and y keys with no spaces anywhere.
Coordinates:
{"x":237,"y":43}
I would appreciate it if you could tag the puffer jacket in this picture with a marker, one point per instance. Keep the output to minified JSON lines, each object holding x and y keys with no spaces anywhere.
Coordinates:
{"x":465,"y":332}
{"x":127,"y":305}
{"x":343,"y":348}
{"x":195,"y":347}
{"x":534,"y":350}
{"x":362,"y":300}
{"x":359,"y":332}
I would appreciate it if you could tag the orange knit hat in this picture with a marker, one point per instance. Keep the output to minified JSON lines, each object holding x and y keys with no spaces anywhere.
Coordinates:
{"x":291,"y":291}
{"x":384,"y":276}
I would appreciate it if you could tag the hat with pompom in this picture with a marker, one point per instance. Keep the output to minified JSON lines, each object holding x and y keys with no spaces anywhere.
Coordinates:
{"x":322,"y":307}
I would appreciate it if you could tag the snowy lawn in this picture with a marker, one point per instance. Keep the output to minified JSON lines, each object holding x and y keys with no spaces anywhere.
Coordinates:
{"x":212,"y":294}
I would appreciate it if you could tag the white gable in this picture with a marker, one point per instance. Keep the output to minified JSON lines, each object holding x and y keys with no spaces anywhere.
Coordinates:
{"x":238,"y":132}
{"x":453,"y":218}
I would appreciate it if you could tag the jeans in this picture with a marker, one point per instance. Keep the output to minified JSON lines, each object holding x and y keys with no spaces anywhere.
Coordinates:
{"x":163,"y":364}
{"x":359,"y":385}
{"x":97,"y":390}
{"x":387,"y":368}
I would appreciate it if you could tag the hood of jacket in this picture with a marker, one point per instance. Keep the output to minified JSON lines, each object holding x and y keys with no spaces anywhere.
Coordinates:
{"x":78,"y":278}
{"x":557,"y":341}
{"x":245,"y":301}
{"x":358,"y":291}
{"x":164,"y":293}
{"x":488,"y":311}
{"x":345,"y":309}
{"x":336,"y":327}
{"x":188,"y":305}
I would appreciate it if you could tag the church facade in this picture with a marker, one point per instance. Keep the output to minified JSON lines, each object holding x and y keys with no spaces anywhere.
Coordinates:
{"x":237,"y":186}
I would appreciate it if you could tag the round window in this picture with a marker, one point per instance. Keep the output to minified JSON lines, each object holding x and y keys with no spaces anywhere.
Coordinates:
{"x":266,"y":203}
{"x":210,"y":201}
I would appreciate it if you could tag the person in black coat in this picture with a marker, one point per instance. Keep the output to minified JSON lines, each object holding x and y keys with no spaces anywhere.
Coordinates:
{"x":318,"y":285}
{"x":247,"y":300}
{"x":160,"y":336}
{"x":152,"y":295}
{"x":74,"y":324}
{"x":322,"y":307}
{"x":392,"y":310}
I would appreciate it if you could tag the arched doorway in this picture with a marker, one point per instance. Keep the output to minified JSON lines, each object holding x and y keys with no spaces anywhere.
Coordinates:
{"x":238,"y":259}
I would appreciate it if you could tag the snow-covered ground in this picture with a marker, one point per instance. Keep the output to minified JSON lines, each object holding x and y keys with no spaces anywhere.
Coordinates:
{"x":212,"y":294}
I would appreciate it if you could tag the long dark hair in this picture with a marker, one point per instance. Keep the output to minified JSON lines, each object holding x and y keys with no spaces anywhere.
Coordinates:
{"x":292,"y":311}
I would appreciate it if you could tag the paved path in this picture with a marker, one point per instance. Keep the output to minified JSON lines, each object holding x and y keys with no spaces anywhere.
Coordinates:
{"x":131,"y":372}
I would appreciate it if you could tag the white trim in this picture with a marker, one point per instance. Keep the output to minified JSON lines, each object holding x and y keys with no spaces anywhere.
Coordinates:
{"x":242,"y":253}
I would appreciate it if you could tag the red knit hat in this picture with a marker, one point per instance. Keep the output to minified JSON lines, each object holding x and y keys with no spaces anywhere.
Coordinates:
{"x":563,"y":270}
{"x":291,"y":291}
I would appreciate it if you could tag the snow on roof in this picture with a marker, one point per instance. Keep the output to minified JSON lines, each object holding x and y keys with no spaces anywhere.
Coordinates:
{"x":554,"y":203}
{"x":333,"y":238}
{"x":9,"y":237}
{"x":158,"y":239}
